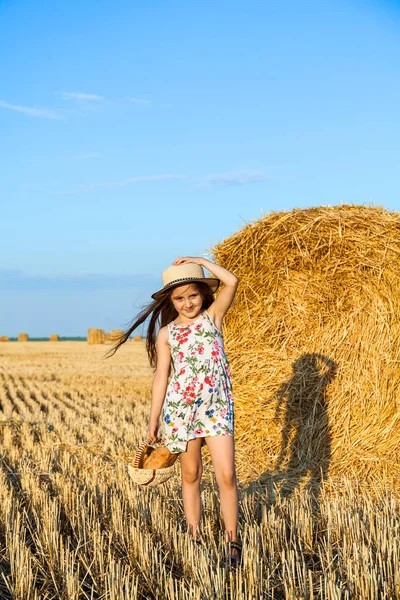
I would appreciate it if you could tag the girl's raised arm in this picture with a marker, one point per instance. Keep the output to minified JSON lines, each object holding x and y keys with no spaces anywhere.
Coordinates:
{"x":225,"y":297}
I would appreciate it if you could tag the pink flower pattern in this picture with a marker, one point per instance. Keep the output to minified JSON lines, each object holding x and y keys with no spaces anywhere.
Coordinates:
{"x":199,"y":400}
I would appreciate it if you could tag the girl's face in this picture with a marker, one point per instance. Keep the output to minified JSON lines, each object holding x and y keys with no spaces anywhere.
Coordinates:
{"x":187,"y":300}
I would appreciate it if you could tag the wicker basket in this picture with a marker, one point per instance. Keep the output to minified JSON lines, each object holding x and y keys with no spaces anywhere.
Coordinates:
{"x":149,"y":477}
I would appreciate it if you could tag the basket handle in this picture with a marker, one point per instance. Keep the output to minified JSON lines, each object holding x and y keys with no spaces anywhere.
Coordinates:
{"x":140,"y":452}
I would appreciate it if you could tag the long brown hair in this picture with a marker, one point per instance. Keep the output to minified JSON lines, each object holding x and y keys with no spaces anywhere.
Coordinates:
{"x":161,"y":312}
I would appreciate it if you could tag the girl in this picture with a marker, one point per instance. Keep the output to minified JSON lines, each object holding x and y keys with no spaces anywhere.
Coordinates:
{"x":196,"y":404}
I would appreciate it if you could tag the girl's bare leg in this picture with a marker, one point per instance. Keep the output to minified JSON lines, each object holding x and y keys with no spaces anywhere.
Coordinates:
{"x":192,"y":470}
{"x":222,"y":450}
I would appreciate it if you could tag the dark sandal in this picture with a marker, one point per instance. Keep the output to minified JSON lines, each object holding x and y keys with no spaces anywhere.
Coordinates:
{"x":234,"y":559}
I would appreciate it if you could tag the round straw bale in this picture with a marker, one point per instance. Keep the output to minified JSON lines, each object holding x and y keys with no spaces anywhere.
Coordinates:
{"x":313,"y":339}
{"x":4,"y":338}
{"x":54,"y":337}
{"x":137,"y":338}
{"x":23,"y":337}
{"x":96,"y":336}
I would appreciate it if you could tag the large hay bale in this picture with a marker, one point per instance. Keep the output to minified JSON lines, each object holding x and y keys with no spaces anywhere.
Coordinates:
{"x":95,"y":336}
{"x":313,"y":340}
{"x":54,"y":337}
{"x":137,"y":338}
{"x":23,"y":337}
{"x":4,"y":338}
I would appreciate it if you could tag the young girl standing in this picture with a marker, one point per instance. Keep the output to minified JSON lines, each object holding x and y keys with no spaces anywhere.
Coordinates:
{"x":196,"y":404}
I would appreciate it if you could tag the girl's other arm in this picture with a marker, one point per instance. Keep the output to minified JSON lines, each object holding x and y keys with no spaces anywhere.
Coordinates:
{"x":225,"y":297}
{"x":160,"y":382}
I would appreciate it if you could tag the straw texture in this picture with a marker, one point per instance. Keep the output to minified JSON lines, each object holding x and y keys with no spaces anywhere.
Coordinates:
{"x":313,"y":340}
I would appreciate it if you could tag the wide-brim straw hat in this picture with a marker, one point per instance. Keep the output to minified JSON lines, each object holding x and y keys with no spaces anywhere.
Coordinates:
{"x":187,"y":273}
{"x":148,"y":477}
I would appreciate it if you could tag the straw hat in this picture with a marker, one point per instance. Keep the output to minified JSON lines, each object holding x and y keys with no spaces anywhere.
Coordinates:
{"x":186,"y":273}
{"x":152,"y":466}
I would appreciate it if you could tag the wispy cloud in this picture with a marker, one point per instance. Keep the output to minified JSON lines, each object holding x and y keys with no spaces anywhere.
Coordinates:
{"x":233,"y":179}
{"x":88,"y":155}
{"x":81,"y":96}
{"x":116,"y":184}
{"x":238,"y":178}
{"x":139,"y":100}
{"x":41,"y":113}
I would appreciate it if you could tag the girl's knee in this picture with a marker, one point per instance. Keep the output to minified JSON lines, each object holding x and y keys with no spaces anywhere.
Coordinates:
{"x":192,"y":474}
{"x":227,"y":476}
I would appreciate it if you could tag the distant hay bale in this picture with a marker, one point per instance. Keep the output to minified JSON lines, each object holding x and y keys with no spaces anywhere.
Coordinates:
{"x":96,"y":336}
{"x":23,"y":337}
{"x":4,"y":338}
{"x":115,"y":335}
{"x":137,"y":338}
{"x":313,"y":340}
{"x":54,"y":337}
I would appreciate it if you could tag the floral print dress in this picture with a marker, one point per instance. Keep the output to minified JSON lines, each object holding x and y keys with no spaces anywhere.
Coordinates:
{"x":199,"y":401}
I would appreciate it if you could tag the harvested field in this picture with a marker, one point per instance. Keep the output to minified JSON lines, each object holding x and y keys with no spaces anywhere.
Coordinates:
{"x":73,"y":526}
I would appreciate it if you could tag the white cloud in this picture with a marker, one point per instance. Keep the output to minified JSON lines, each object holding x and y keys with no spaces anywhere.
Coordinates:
{"x":139,"y":100}
{"x":81,"y":96}
{"x":233,"y":179}
{"x":41,"y":113}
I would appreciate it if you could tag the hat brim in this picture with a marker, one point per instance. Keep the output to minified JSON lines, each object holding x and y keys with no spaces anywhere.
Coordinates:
{"x":212,"y":282}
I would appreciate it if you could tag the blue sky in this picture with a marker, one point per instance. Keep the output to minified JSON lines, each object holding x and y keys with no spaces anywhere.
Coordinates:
{"x":135,"y":132}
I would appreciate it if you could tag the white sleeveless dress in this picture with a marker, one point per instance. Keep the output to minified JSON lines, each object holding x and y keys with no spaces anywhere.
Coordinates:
{"x":199,"y":401}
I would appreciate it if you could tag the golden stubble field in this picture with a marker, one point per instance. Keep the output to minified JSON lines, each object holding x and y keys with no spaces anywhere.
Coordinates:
{"x":73,"y":526}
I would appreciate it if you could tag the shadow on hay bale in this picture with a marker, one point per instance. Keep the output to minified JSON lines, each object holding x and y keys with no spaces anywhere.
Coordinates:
{"x":314,"y":343}
{"x":301,"y":408}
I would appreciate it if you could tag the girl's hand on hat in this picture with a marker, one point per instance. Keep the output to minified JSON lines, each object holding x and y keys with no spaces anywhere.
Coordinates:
{"x":188,"y":259}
